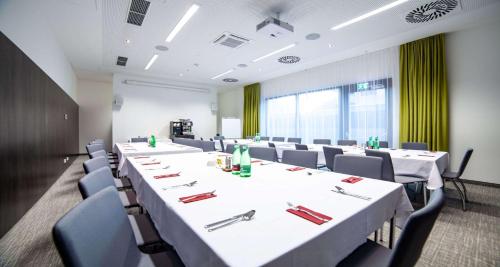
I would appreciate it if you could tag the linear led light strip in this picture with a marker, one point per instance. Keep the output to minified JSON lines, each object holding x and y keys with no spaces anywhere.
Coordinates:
{"x":369,"y":14}
{"x":275,"y":52}
{"x":182,"y":22}
{"x":222,"y":74}
{"x":166,"y":85}
{"x":151,"y":61}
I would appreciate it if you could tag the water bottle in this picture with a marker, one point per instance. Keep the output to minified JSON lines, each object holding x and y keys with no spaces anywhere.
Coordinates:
{"x":245,"y":162}
{"x":370,"y":142}
{"x":376,"y":144}
{"x":257,"y":137}
{"x":152,"y":141}
{"x":236,"y":159}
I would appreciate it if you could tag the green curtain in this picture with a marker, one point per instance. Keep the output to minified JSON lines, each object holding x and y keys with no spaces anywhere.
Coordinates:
{"x":424,"y":93}
{"x":251,"y":109}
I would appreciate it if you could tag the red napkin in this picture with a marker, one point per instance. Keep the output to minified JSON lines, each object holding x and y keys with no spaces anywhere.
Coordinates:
{"x":352,"y":180}
{"x":150,"y":163}
{"x":256,"y":161}
{"x":294,"y":169}
{"x":196,"y":197}
{"x":309,"y":217}
{"x":141,"y":157}
{"x":167,"y":175}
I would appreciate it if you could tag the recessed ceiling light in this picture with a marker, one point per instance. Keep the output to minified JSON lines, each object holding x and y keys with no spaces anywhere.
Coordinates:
{"x":230,"y":80}
{"x":331,"y":45}
{"x":222,"y":74}
{"x":182,"y":22}
{"x":127,"y":41}
{"x":151,"y":61}
{"x":181,"y":74}
{"x":369,"y":14}
{"x":242,"y":65}
{"x":275,"y":52}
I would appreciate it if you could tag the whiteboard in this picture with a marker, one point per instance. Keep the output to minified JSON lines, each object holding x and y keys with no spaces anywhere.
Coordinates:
{"x":231,"y":128}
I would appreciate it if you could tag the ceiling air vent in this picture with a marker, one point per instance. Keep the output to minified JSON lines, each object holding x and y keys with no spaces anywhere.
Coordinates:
{"x":137,"y":12}
{"x":431,"y":11}
{"x":121,"y":61}
{"x":231,"y":40}
{"x":289,"y":59}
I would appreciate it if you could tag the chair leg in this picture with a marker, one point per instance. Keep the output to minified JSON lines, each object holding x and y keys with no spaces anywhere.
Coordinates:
{"x":460,"y":193}
{"x":465,"y":190}
{"x":424,"y":189}
{"x":375,"y":236}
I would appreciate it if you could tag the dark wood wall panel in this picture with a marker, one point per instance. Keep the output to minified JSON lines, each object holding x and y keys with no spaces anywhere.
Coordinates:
{"x":35,"y":137}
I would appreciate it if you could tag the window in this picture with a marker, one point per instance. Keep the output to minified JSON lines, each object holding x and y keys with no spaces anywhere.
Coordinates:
{"x":354,"y":111}
{"x":281,"y":116}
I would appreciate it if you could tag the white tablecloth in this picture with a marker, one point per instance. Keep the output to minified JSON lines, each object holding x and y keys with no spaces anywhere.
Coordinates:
{"x":142,"y":148}
{"x":274,"y":237}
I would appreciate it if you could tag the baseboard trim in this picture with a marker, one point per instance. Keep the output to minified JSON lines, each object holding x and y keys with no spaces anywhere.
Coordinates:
{"x":480,"y":183}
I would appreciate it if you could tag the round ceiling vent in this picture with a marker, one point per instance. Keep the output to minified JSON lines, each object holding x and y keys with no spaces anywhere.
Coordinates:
{"x":289,"y":59}
{"x":313,"y":36}
{"x":230,"y":80}
{"x":242,"y":65}
{"x":431,"y":11}
{"x":161,"y":48}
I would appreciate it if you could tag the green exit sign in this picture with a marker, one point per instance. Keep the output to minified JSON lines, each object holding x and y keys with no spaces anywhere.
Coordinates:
{"x":362,"y":86}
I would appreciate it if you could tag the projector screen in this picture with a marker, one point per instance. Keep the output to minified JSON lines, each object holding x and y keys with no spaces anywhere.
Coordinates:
{"x":231,"y":128}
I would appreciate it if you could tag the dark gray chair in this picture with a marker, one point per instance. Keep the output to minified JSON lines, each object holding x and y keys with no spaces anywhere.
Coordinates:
{"x":322,"y":141}
{"x":207,"y":146}
{"x":347,"y":142}
{"x":383,"y":144}
{"x":102,"y":153}
{"x":414,"y":146}
{"x":295,"y":140}
{"x":278,"y":139}
{"x":91,"y":148}
{"x":97,"y":232}
{"x":99,"y":162}
{"x":330,"y":153}
{"x":219,"y":137}
{"x":454,"y":177}
{"x":230,"y":148}
{"x":265,"y":153}
{"x":139,"y":139}
{"x":308,"y":159}
{"x":364,"y":166}
{"x":301,"y":147}
{"x":188,"y":142}
{"x":387,"y":167}
{"x":146,"y":236}
{"x":264,"y":138}
{"x":97,"y":141}
{"x":271,"y":144}
{"x":409,"y":245}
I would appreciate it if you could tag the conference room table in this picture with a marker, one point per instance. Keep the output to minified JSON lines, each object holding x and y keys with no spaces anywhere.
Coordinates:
{"x":426,"y":164}
{"x":138,"y":149}
{"x":275,"y":236}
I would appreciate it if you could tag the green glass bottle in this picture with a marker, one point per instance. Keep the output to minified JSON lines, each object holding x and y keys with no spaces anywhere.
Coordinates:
{"x":370,"y":142}
{"x":245,"y":162}
{"x":236,"y":160}
{"x":152,"y":141}
{"x":376,"y":143}
{"x":257,"y":137}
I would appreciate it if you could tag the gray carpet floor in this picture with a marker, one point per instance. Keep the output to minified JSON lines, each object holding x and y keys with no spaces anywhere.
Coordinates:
{"x":458,"y":238}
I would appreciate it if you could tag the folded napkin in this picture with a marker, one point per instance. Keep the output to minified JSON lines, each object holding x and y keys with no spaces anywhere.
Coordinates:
{"x":196,"y":197}
{"x":294,"y":169}
{"x":150,"y":163}
{"x":352,"y":180}
{"x":169,"y":175}
{"x":309,"y":217}
{"x":141,"y":157}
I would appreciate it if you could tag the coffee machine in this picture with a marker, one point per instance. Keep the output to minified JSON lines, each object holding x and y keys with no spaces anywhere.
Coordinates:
{"x":181,"y":129}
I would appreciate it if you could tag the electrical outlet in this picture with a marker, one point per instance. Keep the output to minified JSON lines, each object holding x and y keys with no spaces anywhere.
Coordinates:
{"x":65,"y":116}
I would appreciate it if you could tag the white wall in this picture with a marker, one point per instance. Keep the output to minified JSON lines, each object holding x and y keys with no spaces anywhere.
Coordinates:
{"x":473,"y":60}
{"x":230,"y":106}
{"x":23,"y":22}
{"x":95,"y":118}
{"x":149,"y":110}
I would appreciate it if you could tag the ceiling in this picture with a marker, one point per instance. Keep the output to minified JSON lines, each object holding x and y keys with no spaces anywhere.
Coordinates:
{"x":92,"y":34}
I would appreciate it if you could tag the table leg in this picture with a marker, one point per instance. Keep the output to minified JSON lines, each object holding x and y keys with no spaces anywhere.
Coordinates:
{"x":391,"y":233}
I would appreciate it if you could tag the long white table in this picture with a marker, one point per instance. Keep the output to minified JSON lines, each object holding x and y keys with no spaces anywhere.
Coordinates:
{"x":429,"y":165}
{"x":274,"y":237}
{"x":124,"y":150}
